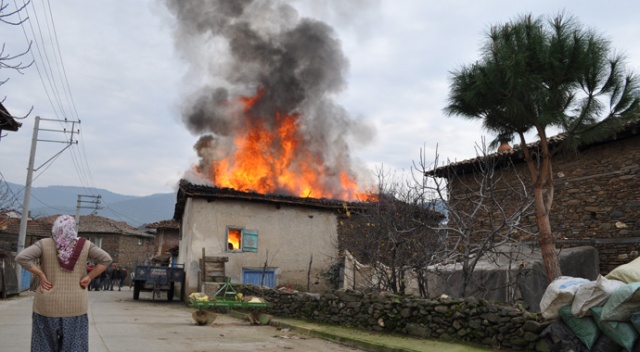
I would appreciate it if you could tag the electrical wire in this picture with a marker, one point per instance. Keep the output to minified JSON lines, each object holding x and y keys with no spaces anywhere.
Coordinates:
{"x":53,"y":76}
{"x":45,"y":64}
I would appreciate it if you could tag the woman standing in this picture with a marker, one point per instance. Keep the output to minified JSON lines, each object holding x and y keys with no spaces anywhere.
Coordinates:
{"x":60,"y":320}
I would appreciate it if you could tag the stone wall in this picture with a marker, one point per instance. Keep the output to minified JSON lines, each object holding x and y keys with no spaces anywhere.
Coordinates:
{"x":467,"y":320}
{"x":596,"y":199}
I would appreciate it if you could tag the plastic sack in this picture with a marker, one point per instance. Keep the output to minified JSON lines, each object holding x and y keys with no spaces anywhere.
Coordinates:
{"x":622,"y":302}
{"x":585,"y":328}
{"x":199,"y":297}
{"x":558,"y":337}
{"x":624,"y":334}
{"x":593,"y":294}
{"x":606,"y":344}
{"x":559,"y":293}
{"x":626,"y":273}
{"x":635,"y":321}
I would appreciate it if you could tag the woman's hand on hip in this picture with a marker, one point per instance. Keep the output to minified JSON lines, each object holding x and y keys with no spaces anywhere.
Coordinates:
{"x":45,"y":284}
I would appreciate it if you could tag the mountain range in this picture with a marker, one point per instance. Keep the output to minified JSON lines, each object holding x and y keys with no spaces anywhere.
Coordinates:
{"x":51,"y":200}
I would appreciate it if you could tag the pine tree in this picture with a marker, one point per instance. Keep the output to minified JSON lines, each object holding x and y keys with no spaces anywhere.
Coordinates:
{"x":535,"y":74}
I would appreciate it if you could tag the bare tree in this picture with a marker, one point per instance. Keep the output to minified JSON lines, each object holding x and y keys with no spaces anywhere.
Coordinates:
{"x":421,"y":231}
{"x":12,"y":61}
{"x":394,"y":236}
{"x":485,"y":214}
{"x":13,"y":18}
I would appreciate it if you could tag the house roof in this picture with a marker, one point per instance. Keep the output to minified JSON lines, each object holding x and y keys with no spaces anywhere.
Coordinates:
{"x":95,"y":224}
{"x":35,"y":228}
{"x":163,"y":224}
{"x":516,"y":154}
{"x":7,"y":122}
{"x":188,"y":190}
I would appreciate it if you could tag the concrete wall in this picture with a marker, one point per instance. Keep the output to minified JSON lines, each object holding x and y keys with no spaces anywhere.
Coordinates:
{"x":287,"y":238}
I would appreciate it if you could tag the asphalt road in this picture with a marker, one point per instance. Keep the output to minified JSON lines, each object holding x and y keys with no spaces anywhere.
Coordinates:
{"x":120,"y":324}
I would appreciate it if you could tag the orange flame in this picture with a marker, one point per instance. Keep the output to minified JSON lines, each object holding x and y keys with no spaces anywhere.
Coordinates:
{"x":276,"y":160}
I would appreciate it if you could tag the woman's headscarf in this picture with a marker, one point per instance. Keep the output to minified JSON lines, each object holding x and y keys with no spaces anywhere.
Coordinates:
{"x":65,"y":236}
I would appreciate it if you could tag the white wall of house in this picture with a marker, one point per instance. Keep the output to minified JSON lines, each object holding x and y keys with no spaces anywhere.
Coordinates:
{"x":287,"y":238}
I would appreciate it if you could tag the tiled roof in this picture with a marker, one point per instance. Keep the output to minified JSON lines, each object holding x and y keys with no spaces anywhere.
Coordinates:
{"x":188,"y":190}
{"x":164,"y":224}
{"x":36,"y":228}
{"x":95,"y":224}
{"x":516,"y":155}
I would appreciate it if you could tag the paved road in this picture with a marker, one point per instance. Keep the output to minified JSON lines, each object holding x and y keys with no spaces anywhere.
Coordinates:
{"x":120,"y":324}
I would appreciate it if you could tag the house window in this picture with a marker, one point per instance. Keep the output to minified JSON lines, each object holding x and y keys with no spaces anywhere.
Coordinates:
{"x":242,"y":240}
{"x":98,"y":242}
{"x":139,"y":241}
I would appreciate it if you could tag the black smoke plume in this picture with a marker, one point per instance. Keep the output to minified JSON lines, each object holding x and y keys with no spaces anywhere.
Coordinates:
{"x":239,"y":47}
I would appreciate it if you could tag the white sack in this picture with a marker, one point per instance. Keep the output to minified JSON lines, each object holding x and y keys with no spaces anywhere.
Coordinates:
{"x":559,"y":293}
{"x":593,"y":294}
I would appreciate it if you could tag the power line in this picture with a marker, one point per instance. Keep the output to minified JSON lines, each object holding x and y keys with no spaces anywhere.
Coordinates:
{"x":46,"y":64}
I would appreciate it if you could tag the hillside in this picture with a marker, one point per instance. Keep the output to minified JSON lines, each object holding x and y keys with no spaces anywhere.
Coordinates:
{"x":134,"y":210}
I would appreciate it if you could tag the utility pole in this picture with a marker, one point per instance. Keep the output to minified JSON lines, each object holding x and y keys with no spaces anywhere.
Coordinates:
{"x":96,"y":201}
{"x":22,"y":236}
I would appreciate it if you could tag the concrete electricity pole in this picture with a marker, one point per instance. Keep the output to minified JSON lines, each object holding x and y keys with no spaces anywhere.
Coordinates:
{"x":22,"y":236}
{"x":95,"y":201}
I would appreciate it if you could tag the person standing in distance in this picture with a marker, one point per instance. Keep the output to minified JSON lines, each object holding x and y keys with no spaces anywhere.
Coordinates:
{"x":59,"y":318}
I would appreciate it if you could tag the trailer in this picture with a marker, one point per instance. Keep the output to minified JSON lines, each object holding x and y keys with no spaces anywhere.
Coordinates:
{"x":157,"y":279}
{"x":226,"y":297}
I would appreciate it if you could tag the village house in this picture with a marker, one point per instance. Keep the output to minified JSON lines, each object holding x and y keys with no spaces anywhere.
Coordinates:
{"x":167,"y":235}
{"x":10,"y":228}
{"x":596,"y":199}
{"x":260,"y":239}
{"x":126,"y":245}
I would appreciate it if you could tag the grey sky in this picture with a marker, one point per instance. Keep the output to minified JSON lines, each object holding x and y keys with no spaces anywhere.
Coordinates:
{"x":129,"y":83}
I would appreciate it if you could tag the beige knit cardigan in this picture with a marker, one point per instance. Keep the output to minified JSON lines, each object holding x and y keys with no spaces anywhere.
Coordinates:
{"x":67,"y":298}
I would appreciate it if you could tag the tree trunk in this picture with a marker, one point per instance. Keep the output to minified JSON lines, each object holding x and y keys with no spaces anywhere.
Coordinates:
{"x":546,"y":240}
{"x":543,"y":192}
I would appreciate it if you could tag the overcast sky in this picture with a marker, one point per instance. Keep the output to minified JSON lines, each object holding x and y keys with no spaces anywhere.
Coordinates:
{"x":128,"y":82}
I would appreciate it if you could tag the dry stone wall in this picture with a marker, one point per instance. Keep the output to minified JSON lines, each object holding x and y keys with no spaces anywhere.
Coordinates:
{"x":467,"y":320}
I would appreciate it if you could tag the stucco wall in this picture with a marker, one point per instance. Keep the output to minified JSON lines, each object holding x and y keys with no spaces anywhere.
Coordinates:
{"x":287,"y":238}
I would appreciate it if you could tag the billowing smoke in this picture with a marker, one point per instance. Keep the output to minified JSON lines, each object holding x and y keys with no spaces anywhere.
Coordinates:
{"x":237,"y":48}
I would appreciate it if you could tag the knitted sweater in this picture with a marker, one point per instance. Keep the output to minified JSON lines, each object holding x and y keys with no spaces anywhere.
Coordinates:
{"x":66,"y":298}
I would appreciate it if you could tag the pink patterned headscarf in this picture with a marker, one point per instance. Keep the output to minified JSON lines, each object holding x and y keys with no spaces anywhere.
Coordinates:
{"x":64,"y":234}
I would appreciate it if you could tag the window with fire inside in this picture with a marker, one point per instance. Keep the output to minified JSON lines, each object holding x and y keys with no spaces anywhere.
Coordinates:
{"x":240,"y":239}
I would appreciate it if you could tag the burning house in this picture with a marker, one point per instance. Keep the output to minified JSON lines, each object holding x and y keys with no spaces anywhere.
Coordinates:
{"x":273,"y":144}
{"x":266,"y":240}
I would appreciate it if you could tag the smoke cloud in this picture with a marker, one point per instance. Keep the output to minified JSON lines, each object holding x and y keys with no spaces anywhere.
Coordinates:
{"x":236,"y":48}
